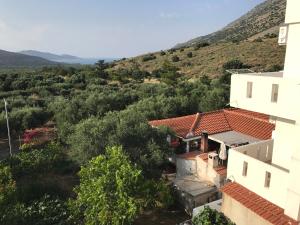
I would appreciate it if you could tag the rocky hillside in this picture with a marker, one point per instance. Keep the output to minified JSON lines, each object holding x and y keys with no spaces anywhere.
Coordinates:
{"x":264,"y":18}
{"x":260,"y":55}
{"x":252,"y":39}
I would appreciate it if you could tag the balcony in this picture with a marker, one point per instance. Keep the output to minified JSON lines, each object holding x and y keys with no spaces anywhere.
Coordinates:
{"x":251,"y":166}
{"x":268,"y":93}
{"x":261,"y":151}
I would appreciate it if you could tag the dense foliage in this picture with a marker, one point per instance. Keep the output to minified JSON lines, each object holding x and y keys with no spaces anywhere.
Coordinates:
{"x":94,"y":108}
{"x":210,"y":216}
{"x":112,"y":190}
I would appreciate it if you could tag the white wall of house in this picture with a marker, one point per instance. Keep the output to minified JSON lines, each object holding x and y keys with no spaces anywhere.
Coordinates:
{"x":185,"y":167}
{"x":256,"y":175}
{"x":292,"y":11}
{"x":285,"y":141}
{"x":284,"y":188}
{"x":240,"y":214}
{"x":260,"y":101}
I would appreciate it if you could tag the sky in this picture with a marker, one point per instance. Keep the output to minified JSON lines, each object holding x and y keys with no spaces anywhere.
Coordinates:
{"x":111,"y":28}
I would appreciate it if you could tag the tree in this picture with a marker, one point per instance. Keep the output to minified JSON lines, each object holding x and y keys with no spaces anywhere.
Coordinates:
{"x":210,"y":216}
{"x":110,"y":189}
{"x":101,"y":66}
{"x":169,"y":74}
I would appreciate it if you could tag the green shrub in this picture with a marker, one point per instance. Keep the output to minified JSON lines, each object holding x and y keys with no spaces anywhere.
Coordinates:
{"x":148,"y":57}
{"x":175,"y":58}
{"x":201,"y":45}
{"x":162,"y":53}
{"x":45,"y":211}
{"x":211,"y":217}
{"x":189,"y":54}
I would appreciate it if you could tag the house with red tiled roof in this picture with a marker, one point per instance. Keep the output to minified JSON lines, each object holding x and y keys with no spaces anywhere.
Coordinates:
{"x":263,"y":185}
{"x":234,"y":120}
{"x":204,"y":137}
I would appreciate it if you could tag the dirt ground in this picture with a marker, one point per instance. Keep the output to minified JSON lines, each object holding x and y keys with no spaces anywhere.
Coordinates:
{"x":163,"y":217}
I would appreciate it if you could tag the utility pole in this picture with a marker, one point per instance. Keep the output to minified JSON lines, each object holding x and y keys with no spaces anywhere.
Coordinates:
{"x":7,"y":124}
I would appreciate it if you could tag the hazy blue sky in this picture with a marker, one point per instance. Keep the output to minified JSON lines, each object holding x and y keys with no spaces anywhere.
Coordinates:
{"x":111,"y":28}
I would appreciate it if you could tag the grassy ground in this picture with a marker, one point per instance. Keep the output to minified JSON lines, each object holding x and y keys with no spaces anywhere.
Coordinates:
{"x":163,"y":217}
{"x":261,"y":56}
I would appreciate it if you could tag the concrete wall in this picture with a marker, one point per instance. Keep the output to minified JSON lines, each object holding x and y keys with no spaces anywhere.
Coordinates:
{"x":262,"y":151}
{"x":185,"y":167}
{"x":239,"y":214}
{"x":190,"y":202}
{"x":255,"y":179}
{"x":206,"y":172}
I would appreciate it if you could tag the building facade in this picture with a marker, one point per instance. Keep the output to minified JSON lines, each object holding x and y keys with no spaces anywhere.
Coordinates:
{"x":269,"y":171}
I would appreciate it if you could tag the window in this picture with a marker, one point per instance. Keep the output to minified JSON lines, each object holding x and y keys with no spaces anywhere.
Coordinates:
{"x":267,"y":179}
{"x":249,"y":89}
{"x":245,"y":169}
{"x":274,"y":95}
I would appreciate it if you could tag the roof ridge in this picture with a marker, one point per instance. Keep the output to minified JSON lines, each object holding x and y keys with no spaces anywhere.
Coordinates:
{"x":195,"y":123}
{"x":224,"y":114}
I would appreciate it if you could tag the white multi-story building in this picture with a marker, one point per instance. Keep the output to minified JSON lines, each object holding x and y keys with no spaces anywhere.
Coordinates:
{"x":265,"y":176}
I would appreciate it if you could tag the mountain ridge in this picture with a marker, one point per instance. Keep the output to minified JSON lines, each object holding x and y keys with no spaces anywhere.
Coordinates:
{"x":267,"y":16}
{"x":12,"y":59}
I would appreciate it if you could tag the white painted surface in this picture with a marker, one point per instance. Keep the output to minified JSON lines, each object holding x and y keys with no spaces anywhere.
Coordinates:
{"x":284,"y":189}
{"x":255,"y":178}
{"x":185,"y":167}
{"x":292,"y":11}
{"x":286,"y":107}
{"x":291,"y":67}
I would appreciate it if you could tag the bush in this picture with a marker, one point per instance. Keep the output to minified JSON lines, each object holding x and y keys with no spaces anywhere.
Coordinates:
{"x":37,"y":161}
{"x":211,"y":217}
{"x":148,"y":57}
{"x":175,"y":58}
{"x":258,"y":40}
{"x":46,"y":211}
{"x":234,"y":64}
{"x":162,"y":53}
{"x":201,"y":45}
{"x":189,"y":54}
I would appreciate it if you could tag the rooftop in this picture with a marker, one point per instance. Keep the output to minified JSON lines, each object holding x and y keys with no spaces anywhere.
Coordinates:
{"x":240,"y":120}
{"x":194,"y":186}
{"x":267,"y":74}
{"x":267,"y":210}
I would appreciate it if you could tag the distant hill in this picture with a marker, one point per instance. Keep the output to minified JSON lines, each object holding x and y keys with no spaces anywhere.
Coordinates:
{"x":264,"y":18}
{"x":64,"y":58}
{"x":12,"y":59}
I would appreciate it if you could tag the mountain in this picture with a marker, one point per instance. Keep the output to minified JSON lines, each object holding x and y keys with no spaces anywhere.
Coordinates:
{"x":12,"y":59}
{"x":263,"y":19}
{"x":64,"y":58}
{"x":252,"y":39}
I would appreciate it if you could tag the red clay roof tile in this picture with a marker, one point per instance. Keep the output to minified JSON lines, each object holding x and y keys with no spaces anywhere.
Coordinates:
{"x":262,"y":207}
{"x":244,"y":121}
